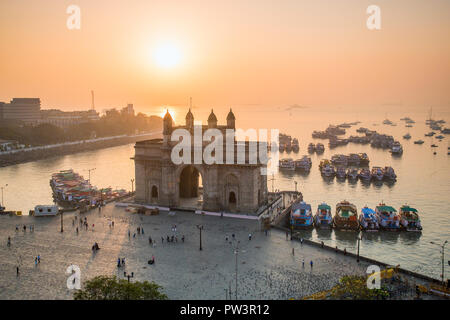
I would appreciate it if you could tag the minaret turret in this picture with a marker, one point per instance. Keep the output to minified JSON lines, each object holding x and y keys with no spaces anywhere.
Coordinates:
{"x":167,"y":127}
{"x":189,"y":120}
{"x":212,"y":120}
{"x":231,"y":120}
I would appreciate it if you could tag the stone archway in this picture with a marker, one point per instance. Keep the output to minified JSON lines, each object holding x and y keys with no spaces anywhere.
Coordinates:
{"x":231,"y":192}
{"x":154,"y":194}
{"x":190,"y":186}
{"x":232,"y":201}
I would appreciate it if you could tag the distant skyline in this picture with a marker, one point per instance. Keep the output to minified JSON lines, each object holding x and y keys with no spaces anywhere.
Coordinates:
{"x":290,"y":54}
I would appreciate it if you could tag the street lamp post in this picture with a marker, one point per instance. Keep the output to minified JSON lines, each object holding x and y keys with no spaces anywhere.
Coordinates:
{"x":3,"y":203}
{"x":90,"y":188}
{"x":200,"y":227}
{"x":442,"y":252}
{"x":357,"y":256}
{"x":62,"y":223}
{"x":236,"y":251}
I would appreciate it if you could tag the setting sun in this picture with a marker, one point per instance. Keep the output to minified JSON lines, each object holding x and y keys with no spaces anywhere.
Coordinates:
{"x":167,"y":55}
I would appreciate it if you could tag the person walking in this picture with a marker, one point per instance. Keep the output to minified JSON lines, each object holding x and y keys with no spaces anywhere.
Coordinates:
{"x":9,"y":241}
{"x":249,"y":236}
{"x":150,"y":240}
{"x":182,"y":238}
{"x":142,"y":230}
{"x":162,"y":239}
{"x":77,"y":230}
{"x":112,"y":224}
{"x":39,"y":258}
{"x":311,"y":263}
{"x":303,"y":263}
{"x":128,"y":234}
{"x":17,"y":270}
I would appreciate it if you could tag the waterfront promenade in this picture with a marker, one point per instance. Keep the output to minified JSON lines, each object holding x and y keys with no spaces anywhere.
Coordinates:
{"x":266,"y":267}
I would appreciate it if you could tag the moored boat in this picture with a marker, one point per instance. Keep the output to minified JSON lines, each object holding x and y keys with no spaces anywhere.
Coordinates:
{"x":419,"y":142}
{"x":345,"y":217}
{"x":365,"y":175}
{"x":311,"y":147}
{"x":377,"y":173}
{"x":409,"y":219}
{"x":303,"y":164}
{"x":287,"y":164}
{"x":341,"y":173}
{"x":353,"y":159}
{"x":389,"y":173}
{"x":339,"y":160}
{"x":328,"y":171}
{"x":388,"y":219}
{"x":407,"y":136}
{"x":320,"y":148}
{"x":301,"y":215}
{"x":396,"y":148}
{"x":363,"y":159}
{"x":295,"y":146}
{"x":352,"y":174}
{"x":368,"y":220}
{"x":323,"y":218}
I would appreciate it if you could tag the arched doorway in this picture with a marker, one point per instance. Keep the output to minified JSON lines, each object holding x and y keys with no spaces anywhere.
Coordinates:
{"x":190,"y":188}
{"x":154,"y":194}
{"x":232,"y":201}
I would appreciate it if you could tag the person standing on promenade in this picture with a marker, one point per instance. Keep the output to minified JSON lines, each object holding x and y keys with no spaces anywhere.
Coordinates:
{"x":303,"y":263}
{"x":128,"y":234}
{"x":142,"y":230}
{"x":182,"y":238}
{"x":311,"y":263}
{"x":77,"y":230}
{"x":39,"y":258}
{"x":9,"y":241}
{"x":17,"y":270}
{"x":249,"y":236}
{"x":162,"y":239}
{"x":150,"y":240}
{"x":113,"y":224}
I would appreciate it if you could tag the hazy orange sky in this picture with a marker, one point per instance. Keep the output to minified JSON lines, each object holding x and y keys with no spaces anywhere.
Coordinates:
{"x":231,"y":53}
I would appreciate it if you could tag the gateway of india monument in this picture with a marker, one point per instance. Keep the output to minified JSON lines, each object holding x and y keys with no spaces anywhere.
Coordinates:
{"x":236,"y":187}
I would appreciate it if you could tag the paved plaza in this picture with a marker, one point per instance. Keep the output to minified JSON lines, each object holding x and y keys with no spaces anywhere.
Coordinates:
{"x":267,"y":269}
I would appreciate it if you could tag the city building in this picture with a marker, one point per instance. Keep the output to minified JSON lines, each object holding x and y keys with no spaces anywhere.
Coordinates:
{"x":67,"y":118}
{"x":128,"y":110}
{"x":213,"y":187}
{"x":21,"y":110}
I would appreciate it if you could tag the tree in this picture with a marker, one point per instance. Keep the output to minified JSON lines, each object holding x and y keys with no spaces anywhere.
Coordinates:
{"x":355,"y":288}
{"x":111,"y":288}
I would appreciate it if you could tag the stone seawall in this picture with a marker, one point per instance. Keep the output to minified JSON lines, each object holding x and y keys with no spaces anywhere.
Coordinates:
{"x":33,"y":155}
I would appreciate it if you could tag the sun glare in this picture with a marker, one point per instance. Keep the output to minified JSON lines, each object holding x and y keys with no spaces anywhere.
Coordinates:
{"x":171,"y":112}
{"x":167,"y":56}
